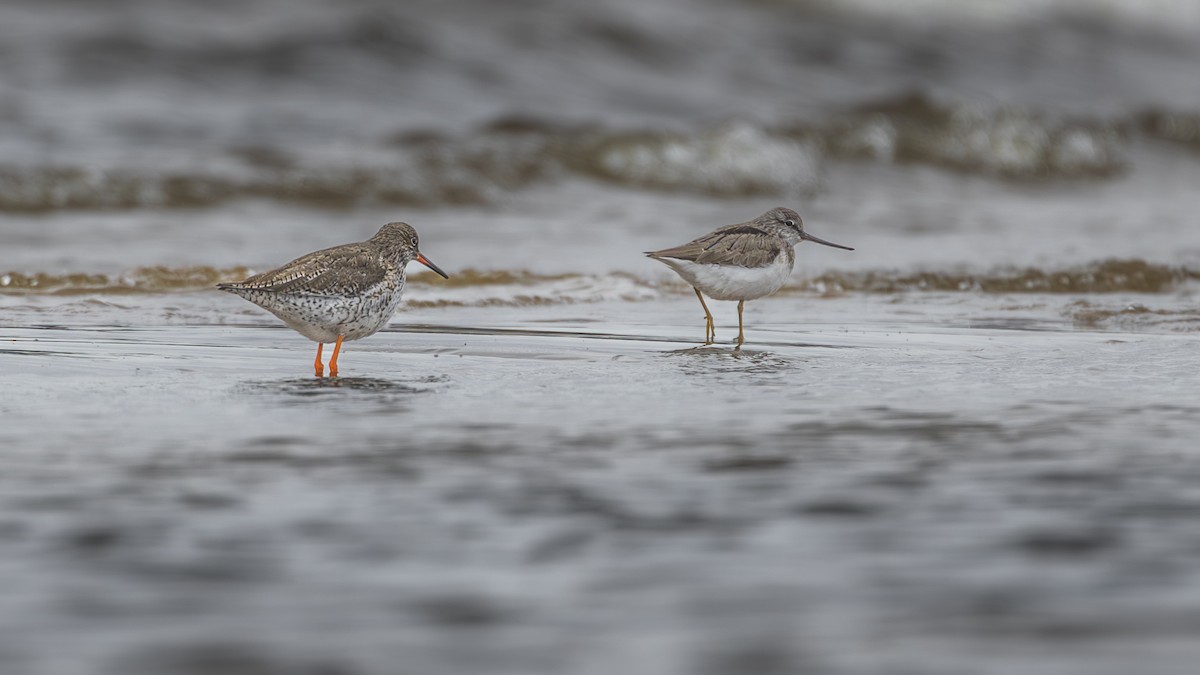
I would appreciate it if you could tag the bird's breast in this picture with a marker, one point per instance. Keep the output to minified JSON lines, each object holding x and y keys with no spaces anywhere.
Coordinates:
{"x":733,"y":282}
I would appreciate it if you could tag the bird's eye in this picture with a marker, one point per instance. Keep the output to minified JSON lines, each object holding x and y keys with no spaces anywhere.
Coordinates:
{"x":414,"y":242}
{"x":789,"y":223}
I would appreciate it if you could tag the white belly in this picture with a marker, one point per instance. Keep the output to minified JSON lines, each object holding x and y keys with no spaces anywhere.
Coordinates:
{"x":726,"y":282}
{"x":323,"y":318}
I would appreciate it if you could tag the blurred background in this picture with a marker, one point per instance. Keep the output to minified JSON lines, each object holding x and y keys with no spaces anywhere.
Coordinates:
{"x":184,"y":134}
{"x":966,"y":447}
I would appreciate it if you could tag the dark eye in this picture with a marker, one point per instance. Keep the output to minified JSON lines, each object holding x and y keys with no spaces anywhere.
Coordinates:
{"x":414,"y":242}
{"x":789,"y":223}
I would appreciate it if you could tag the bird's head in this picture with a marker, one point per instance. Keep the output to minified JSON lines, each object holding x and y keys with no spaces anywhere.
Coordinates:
{"x":787,"y":224}
{"x":403,"y":239}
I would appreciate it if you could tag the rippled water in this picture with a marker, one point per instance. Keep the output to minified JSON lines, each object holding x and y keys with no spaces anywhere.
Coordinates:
{"x":503,"y":500}
{"x":968,"y":446}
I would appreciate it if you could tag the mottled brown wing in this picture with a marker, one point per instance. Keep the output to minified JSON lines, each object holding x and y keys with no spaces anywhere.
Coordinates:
{"x":341,"y":270}
{"x":743,"y":245}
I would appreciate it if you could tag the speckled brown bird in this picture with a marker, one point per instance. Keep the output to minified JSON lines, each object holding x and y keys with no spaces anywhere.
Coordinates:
{"x":341,"y":293}
{"x":740,"y":262}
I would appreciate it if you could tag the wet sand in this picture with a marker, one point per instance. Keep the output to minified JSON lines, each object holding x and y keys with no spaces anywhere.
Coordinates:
{"x":585,"y":489}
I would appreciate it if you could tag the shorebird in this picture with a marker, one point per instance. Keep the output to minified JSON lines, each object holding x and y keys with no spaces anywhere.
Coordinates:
{"x":342,"y":293}
{"x":740,"y":262}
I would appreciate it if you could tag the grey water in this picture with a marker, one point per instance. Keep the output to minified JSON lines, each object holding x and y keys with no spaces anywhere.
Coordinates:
{"x":966,"y":447}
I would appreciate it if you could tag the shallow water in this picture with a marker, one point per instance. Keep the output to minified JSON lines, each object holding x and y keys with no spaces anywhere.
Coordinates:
{"x":966,"y":447}
{"x":592,"y":481}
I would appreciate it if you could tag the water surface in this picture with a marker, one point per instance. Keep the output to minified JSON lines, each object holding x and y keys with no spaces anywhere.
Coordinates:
{"x":966,"y":447}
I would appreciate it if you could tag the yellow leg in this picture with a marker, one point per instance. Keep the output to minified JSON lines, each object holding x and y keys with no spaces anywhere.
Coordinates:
{"x":333,"y":359}
{"x":741,"y":335}
{"x":317,"y":367}
{"x":710,"y":328}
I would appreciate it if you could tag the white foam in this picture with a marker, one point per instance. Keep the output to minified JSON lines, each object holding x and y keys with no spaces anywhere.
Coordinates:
{"x":572,"y":289}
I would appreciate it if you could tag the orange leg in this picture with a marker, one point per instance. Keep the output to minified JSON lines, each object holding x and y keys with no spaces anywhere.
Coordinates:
{"x":710,"y":328}
{"x":333,"y":359}
{"x":320,"y":369}
{"x":741,"y":335}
